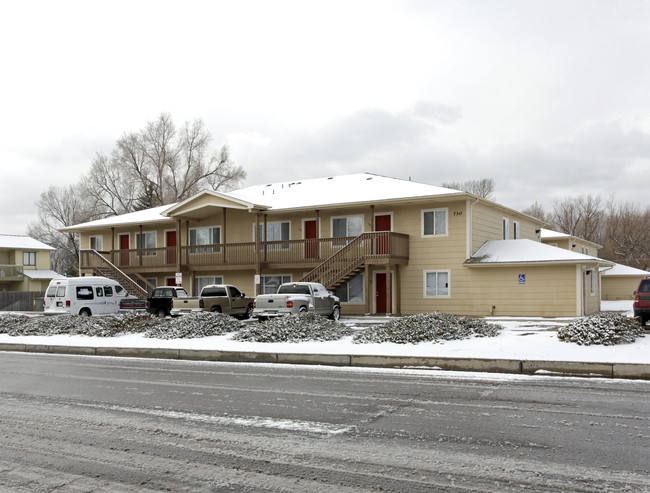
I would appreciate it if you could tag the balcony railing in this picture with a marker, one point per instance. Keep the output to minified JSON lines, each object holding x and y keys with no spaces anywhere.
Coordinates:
{"x":11,"y":273}
{"x":310,"y":252}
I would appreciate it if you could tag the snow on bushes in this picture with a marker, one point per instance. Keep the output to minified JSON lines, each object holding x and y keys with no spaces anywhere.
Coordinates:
{"x":294,"y":328}
{"x":428,"y":327}
{"x":603,"y":328}
{"x":194,"y":325}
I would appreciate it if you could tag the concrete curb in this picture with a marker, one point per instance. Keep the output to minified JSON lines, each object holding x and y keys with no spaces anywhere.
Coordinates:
{"x":527,"y":367}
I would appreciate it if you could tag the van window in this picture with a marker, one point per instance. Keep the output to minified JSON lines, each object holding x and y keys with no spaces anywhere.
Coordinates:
{"x":118,"y":290}
{"x":100,"y":292}
{"x":108,"y":291}
{"x":84,"y":293}
{"x":51,"y":291}
{"x":60,"y":292}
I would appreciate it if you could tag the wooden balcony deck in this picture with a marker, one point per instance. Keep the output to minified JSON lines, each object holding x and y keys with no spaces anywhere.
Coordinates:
{"x":381,"y":247}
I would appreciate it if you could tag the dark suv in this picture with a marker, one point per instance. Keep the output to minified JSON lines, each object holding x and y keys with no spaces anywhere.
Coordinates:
{"x":642,"y":301}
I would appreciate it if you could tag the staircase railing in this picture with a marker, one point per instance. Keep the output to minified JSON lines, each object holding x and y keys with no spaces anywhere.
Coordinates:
{"x":355,"y":253}
{"x":102,"y":266}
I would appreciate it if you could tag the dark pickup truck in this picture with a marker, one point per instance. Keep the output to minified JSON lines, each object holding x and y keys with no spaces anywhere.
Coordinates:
{"x":159,"y":303}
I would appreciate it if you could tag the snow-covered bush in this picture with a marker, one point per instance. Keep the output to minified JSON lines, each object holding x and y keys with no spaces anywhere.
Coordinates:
{"x":603,"y":328}
{"x":195,"y":325}
{"x":428,"y":327}
{"x":294,"y":328}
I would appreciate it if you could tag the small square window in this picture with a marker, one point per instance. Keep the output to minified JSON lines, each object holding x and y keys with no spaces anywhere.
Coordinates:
{"x":436,"y":284}
{"x":434,"y":222}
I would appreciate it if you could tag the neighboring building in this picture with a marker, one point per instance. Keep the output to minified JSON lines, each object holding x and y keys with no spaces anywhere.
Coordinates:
{"x":620,"y":282}
{"x":384,"y":245}
{"x":568,"y":242}
{"x":24,"y":264}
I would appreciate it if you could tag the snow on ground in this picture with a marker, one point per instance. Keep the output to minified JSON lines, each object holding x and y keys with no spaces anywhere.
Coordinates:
{"x":522,"y":339}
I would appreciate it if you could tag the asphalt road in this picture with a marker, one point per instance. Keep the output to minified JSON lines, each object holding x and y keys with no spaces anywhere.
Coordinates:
{"x":73,"y":423}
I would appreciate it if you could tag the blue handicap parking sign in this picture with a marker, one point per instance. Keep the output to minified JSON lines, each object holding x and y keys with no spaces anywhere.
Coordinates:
{"x":522,"y":278}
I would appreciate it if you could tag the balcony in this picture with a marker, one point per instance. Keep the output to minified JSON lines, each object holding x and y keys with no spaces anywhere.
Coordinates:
{"x":378,"y":248}
{"x":11,"y":273}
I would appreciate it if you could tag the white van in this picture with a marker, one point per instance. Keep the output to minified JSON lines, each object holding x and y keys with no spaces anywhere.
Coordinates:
{"x":90,"y":295}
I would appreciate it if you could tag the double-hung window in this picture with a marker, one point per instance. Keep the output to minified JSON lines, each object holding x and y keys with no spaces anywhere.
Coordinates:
{"x":348,"y":226}
{"x":436,"y":284}
{"x":96,"y":243}
{"x":506,"y":228}
{"x":276,"y":231}
{"x":434,"y":222}
{"x":146,"y":240}
{"x":351,"y":291}
{"x":205,"y":236}
{"x":29,"y":258}
{"x":515,"y":230}
{"x":270,"y":284}
{"x":201,"y":281}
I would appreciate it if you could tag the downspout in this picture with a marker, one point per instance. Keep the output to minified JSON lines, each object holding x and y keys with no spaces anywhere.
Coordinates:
{"x":468,"y":224}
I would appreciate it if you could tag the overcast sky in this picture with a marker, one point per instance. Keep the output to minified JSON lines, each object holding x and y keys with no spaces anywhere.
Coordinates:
{"x":549,"y":98}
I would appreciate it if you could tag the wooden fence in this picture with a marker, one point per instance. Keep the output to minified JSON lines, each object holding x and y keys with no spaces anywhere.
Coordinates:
{"x":20,"y":301}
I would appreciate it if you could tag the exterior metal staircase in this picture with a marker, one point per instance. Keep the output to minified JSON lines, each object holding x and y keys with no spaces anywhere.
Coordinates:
{"x":103,"y":267}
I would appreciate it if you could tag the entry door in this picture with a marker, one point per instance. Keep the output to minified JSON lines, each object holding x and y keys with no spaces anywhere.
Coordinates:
{"x":124,"y":245}
{"x":383,"y":223}
{"x":171,"y":247}
{"x":380,"y":289}
{"x":311,"y":242}
{"x":170,"y":281}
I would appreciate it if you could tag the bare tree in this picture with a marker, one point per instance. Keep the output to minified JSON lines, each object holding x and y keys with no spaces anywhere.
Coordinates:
{"x":159,"y":165}
{"x":59,"y":207}
{"x":536,"y":210}
{"x":582,"y":217}
{"x":483,"y":188}
{"x":627,"y":236}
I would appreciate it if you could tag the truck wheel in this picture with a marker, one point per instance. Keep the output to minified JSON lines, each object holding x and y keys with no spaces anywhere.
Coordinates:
{"x":216,"y":309}
{"x":303,"y":309}
{"x":336,"y":313}
{"x":161,"y":313}
{"x":85,"y":312}
{"x":248,"y":313}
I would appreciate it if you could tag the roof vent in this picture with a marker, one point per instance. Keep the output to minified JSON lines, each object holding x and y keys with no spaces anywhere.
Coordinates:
{"x":369,"y":178}
{"x":330,"y":178}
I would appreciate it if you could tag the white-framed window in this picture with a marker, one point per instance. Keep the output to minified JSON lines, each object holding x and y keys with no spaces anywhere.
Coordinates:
{"x":29,"y":258}
{"x":515,"y":230}
{"x":352,"y":291}
{"x":276,"y":231}
{"x":347,"y":226}
{"x":210,"y":235}
{"x":147,"y":240}
{"x":434,"y":222}
{"x":96,"y":243}
{"x":436,"y":284}
{"x":201,"y":281}
{"x":594,"y":282}
{"x":270,"y":284}
{"x":506,"y":228}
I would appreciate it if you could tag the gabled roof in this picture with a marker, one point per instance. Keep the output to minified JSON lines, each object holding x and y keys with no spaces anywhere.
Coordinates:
{"x":548,"y":234}
{"x":197,"y":205}
{"x":19,"y":242}
{"x":500,"y":252}
{"x":138,"y":217}
{"x":337,"y":190}
{"x":624,"y":271}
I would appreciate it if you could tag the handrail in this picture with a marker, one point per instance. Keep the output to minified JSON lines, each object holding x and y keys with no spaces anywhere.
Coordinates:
{"x":122,"y":277}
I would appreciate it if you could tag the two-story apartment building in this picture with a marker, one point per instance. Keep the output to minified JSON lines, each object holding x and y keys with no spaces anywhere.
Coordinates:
{"x":384,"y":245}
{"x":24,"y":264}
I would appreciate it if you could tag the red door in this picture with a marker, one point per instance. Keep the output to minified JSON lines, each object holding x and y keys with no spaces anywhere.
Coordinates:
{"x":170,"y":281}
{"x":383,"y":297}
{"x":124,"y":245}
{"x":382,"y":223}
{"x":311,"y":242}
{"x":171,"y":247}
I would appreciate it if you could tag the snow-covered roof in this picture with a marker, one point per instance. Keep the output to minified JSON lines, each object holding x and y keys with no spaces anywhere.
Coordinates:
{"x":546,"y":234}
{"x":624,"y":270}
{"x":335,"y":190}
{"x":527,"y":251}
{"x":42,"y":274}
{"x":13,"y":242}
{"x":138,"y":217}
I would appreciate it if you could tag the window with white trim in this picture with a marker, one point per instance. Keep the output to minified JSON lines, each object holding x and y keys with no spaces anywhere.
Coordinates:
{"x":270,"y":284}
{"x":210,"y":235}
{"x":351,"y":291}
{"x":276,"y":231}
{"x":515,"y":230}
{"x":201,"y":281}
{"x":96,"y":243}
{"x":29,"y":258}
{"x":436,"y":284}
{"x":594,"y":283}
{"x":434,"y":222}
{"x":506,"y":228}
{"x":146,"y":240}
{"x":347,"y":226}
